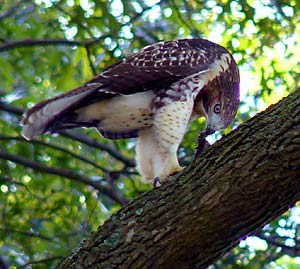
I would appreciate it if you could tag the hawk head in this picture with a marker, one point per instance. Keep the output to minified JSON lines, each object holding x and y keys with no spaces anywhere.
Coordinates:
{"x":220,"y":98}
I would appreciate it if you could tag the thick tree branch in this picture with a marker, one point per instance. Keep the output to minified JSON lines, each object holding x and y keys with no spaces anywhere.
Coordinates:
{"x":238,"y":185}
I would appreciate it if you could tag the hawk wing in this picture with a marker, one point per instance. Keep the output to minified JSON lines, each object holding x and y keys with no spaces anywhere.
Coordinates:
{"x":153,"y":68}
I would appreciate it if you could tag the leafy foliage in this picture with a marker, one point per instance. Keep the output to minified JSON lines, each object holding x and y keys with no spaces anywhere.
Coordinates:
{"x":56,"y":189}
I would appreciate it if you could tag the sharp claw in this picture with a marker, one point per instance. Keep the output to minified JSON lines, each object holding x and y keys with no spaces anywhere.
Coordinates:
{"x":156,"y":182}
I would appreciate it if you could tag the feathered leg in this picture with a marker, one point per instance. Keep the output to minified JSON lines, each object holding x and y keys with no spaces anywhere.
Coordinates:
{"x":157,"y":145}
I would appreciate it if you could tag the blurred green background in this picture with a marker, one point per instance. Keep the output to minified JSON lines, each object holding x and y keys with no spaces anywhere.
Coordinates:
{"x":55,"y":189}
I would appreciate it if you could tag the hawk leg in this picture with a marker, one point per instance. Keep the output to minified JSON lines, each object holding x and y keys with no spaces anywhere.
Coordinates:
{"x":157,"y":145}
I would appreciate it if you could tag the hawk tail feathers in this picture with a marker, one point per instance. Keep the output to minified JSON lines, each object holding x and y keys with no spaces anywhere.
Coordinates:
{"x":43,"y":116}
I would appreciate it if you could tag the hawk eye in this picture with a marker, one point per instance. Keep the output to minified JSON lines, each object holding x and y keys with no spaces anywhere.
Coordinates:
{"x":217,"y":108}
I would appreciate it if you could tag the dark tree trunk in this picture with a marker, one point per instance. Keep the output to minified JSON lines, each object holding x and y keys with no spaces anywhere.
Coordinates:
{"x":237,"y":186}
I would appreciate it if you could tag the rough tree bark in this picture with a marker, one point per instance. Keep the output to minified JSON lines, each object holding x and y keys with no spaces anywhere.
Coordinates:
{"x":237,"y":186}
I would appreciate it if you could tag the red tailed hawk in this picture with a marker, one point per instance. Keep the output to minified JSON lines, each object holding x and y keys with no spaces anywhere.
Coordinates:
{"x":153,"y":95}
